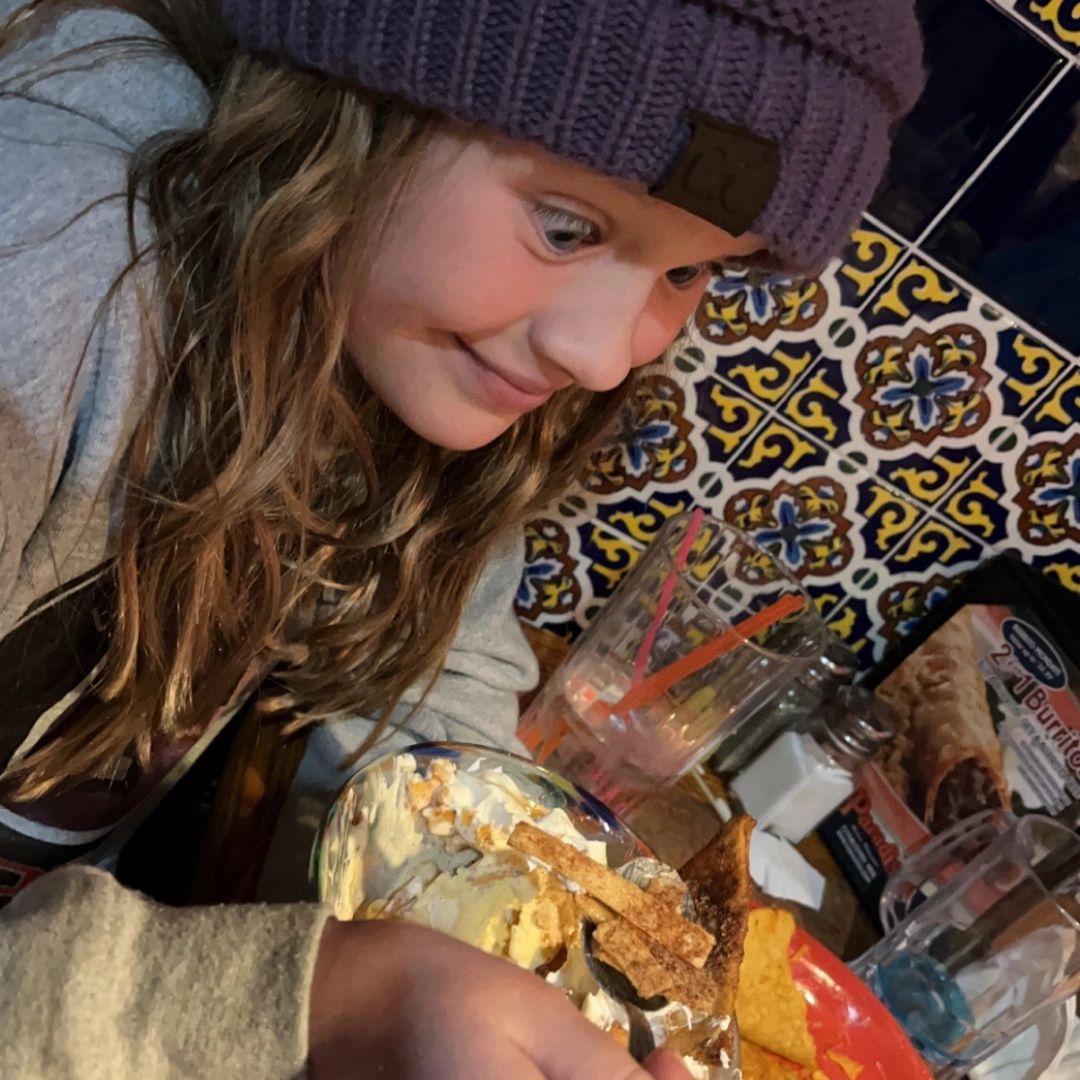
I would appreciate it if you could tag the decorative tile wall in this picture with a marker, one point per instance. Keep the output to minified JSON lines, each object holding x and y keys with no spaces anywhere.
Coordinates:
{"x":916,"y":409}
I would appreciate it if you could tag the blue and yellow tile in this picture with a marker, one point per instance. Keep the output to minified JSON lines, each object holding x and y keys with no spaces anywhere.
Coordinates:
{"x":1058,"y":411}
{"x":1063,"y":566}
{"x":884,"y":518}
{"x":804,"y":523}
{"x":922,"y":385}
{"x":980,"y":503}
{"x":915,"y":290}
{"x":854,"y":621}
{"x":727,"y":418}
{"x":936,"y":545}
{"x":652,"y":443}
{"x":902,"y":604}
{"x":642,"y":515}
{"x":768,"y":377}
{"x":927,"y":476}
{"x":818,"y":403}
{"x":871,"y":255}
{"x":1048,"y":478}
{"x":752,"y":307}
{"x":569,"y":572}
{"x":1029,"y":368}
{"x":1058,"y":19}
{"x":775,"y":450}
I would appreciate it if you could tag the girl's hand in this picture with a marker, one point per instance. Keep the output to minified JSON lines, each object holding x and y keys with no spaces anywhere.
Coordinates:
{"x":399,"y":1002}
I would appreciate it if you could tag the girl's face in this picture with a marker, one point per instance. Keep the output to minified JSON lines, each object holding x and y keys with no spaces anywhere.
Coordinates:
{"x":504,"y":274}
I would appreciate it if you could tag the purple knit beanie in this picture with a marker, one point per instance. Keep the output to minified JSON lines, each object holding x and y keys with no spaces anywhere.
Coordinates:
{"x":772,"y":115}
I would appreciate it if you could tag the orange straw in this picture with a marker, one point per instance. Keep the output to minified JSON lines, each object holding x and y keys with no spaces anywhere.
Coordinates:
{"x":656,"y":685}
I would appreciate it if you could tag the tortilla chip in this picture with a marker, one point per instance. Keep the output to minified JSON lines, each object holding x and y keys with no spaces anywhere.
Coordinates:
{"x":758,"y":1064}
{"x":770,"y":1009}
{"x":852,"y":1068}
{"x":718,"y":878}
{"x":685,"y":939}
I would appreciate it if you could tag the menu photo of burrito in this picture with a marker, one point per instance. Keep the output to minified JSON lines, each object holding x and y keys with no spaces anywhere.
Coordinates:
{"x":948,"y":763}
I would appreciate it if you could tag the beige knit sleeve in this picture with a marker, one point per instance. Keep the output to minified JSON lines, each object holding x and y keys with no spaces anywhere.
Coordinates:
{"x":100,"y":983}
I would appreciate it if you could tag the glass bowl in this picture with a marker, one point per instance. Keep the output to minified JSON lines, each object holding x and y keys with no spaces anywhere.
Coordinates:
{"x":338,"y":839}
{"x":333,"y":865}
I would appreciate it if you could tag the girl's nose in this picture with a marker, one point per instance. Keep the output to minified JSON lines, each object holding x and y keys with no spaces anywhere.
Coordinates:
{"x":604,"y":324}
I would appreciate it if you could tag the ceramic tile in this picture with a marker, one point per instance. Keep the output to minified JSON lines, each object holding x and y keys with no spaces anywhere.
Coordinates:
{"x":984,"y":69}
{"x":1058,"y":411}
{"x":569,"y":571}
{"x":903,"y":603}
{"x":1030,"y":368}
{"x":642,"y":515}
{"x":1058,"y":19}
{"x":884,"y":519}
{"x":869,"y":257}
{"x":916,"y":289}
{"x":854,"y":621}
{"x":1015,"y":232}
{"x":1048,"y":479}
{"x":1063,"y":566}
{"x":762,"y":310}
{"x":981,"y":504}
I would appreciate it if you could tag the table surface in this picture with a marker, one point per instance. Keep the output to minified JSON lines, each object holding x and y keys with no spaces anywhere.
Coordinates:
{"x":674,"y":823}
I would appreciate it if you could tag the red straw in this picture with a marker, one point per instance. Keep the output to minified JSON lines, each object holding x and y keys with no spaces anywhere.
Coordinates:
{"x":657,"y":685}
{"x":667,"y":591}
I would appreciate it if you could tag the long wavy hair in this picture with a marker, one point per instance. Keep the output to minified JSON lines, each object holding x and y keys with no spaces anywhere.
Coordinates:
{"x":275,"y":509}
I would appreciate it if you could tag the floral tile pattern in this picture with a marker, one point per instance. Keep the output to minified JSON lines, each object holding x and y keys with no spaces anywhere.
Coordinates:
{"x":881,"y":430}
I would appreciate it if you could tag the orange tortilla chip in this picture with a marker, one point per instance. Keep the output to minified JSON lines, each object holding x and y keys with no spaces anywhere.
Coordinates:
{"x":852,"y":1068}
{"x":769,"y":1006}
{"x":685,"y":939}
{"x":758,"y":1064}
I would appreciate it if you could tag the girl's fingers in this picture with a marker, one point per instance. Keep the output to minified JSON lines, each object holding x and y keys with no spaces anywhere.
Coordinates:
{"x":565,"y":1046}
{"x":665,"y":1065}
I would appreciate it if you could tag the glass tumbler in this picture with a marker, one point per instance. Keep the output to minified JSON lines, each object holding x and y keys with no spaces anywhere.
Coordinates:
{"x":975,"y":963}
{"x":699,"y":580}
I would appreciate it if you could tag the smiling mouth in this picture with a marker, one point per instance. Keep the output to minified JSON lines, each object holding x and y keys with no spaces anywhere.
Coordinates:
{"x":502,"y":392}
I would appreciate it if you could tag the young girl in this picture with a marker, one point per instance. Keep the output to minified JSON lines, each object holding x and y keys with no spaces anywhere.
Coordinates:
{"x":306,"y":306}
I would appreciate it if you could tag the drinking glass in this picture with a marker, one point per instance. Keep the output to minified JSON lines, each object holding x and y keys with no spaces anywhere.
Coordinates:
{"x":975,"y":963}
{"x":700,"y":579}
{"x":936,"y":863}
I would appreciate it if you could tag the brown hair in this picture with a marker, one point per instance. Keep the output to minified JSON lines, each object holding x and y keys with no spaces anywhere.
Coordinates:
{"x":275,"y":508}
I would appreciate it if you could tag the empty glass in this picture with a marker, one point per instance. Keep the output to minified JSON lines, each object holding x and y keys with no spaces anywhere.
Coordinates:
{"x":934,"y":865}
{"x":972,"y":965}
{"x":698,"y":580}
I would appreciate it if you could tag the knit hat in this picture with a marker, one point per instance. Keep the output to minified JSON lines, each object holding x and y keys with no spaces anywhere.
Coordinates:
{"x":768,"y":115}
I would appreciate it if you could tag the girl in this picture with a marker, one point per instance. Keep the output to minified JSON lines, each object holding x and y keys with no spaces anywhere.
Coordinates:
{"x":307,"y":305}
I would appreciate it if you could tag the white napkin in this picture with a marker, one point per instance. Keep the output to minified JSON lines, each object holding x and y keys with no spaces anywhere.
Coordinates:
{"x":779,"y":870}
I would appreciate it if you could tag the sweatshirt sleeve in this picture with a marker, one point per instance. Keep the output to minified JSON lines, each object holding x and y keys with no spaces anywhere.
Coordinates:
{"x":474,"y":700}
{"x":75,"y":373}
{"x":102,"y":984}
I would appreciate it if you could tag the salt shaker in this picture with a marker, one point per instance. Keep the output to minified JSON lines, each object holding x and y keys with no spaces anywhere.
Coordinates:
{"x":806,"y":772}
{"x":835,"y":668}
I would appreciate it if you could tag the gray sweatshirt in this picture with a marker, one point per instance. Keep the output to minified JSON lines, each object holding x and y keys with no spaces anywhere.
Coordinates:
{"x":97,"y":981}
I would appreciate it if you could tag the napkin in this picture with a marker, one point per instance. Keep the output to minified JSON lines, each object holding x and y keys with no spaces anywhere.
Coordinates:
{"x":779,"y":870}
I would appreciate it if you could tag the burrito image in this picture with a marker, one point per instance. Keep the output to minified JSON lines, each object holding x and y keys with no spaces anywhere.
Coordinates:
{"x":953,"y":754}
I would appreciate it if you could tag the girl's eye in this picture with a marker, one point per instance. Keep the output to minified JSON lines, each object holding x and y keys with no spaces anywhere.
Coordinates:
{"x":682,"y":276}
{"x":565,"y":231}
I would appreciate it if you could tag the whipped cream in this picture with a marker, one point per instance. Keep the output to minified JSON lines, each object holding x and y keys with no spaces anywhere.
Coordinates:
{"x":430,"y":847}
